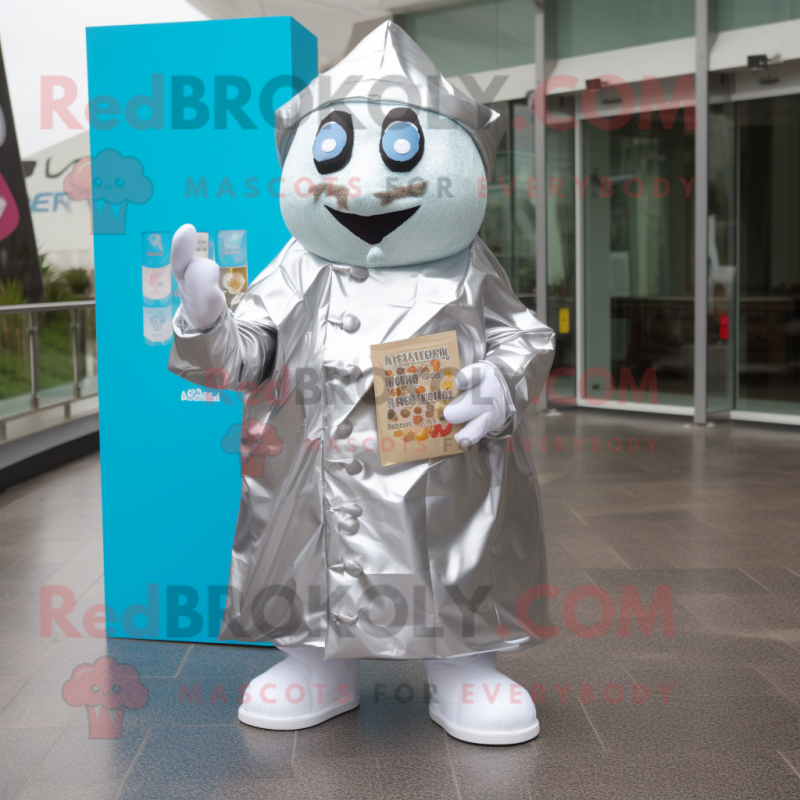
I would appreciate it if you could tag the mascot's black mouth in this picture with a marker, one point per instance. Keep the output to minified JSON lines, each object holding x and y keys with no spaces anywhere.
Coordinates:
{"x":376,"y":228}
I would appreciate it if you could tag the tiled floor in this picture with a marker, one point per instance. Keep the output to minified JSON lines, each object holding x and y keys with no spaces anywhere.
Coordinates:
{"x":712,"y":514}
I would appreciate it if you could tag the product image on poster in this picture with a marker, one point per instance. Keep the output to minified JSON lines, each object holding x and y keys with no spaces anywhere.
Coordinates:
{"x":232,"y":260}
{"x":419,"y":381}
{"x":158,"y":324}
{"x":205,"y":248}
{"x":156,"y":273}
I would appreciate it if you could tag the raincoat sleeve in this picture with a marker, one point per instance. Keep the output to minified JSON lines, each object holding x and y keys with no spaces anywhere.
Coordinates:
{"x":236,"y":353}
{"x":519,"y":346}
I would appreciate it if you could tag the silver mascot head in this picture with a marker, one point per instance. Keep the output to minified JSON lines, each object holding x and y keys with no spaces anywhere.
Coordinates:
{"x":384,"y":161}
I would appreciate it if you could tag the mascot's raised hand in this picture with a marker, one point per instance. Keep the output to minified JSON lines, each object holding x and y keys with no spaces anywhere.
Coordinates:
{"x":198,"y":280}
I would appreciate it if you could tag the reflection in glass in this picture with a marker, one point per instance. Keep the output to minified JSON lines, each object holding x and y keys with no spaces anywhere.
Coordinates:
{"x":734,"y":14}
{"x":722,"y":243}
{"x":561,"y":195}
{"x":769,"y":286}
{"x":474,"y":37}
{"x":509,"y":227}
{"x":639,"y":266}
{"x":590,"y":26}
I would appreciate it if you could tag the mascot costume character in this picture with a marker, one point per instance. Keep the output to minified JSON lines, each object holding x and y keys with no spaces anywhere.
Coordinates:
{"x":336,"y":557}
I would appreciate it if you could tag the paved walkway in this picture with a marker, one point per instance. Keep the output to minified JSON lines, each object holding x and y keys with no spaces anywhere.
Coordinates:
{"x":712,"y":515}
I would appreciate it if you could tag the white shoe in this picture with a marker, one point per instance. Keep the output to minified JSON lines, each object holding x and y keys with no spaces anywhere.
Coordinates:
{"x":473,"y":702}
{"x":301,"y":691}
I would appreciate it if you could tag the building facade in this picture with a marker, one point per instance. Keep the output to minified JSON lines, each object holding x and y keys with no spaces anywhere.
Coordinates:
{"x":647,"y":195}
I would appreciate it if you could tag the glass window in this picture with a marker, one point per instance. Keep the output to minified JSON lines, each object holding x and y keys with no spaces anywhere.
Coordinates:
{"x":722,"y":257}
{"x":592,"y":26}
{"x":515,"y":31}
{"x":474,"y":37}
{"x":561,"y":195}
{"x":734,"y":14}
{"x":509,"y":227}
{"x":639,"y":270}
{"x":769,"y":284}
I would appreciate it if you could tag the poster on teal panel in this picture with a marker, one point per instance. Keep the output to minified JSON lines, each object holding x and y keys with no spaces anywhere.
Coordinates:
{"x":182,"y":130}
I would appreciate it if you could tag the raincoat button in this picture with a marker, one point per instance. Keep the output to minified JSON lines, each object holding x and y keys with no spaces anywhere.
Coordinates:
{"x":349,"y":525}
{"x":352,"y":568}
{"x":343,"y":429}
{"x":353,"y":467}
{"x":351,"y":323}
{"x":353,"y":509}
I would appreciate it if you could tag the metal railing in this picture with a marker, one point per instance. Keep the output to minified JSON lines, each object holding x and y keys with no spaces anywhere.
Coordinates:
{"x":30,"y":313}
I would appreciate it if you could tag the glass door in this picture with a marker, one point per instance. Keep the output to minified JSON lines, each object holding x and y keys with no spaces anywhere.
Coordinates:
{"x":562,"y":196}
{"x":638,"y":263}
{"x":722,"y":257}
{"x":509,"y":228}
{"x":638,"y":274}
{"x":768,"y":352}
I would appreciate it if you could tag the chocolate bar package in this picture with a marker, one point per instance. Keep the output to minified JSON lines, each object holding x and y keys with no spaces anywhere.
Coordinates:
{"x":415,"y":379}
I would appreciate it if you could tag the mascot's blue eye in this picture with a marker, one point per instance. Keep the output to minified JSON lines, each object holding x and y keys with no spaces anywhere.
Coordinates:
{"x":119,"y":183}
{"x":402,"y":141}
{"x":334,"y":143}
{"x":330,"y":141}
{"x":97,"y":182}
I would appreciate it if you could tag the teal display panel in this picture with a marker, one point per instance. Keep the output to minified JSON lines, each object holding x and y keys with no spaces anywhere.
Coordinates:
{"x":182,"y":130}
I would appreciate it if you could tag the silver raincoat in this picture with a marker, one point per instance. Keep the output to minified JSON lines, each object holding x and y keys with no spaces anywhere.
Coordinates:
{"x":427,"y":559}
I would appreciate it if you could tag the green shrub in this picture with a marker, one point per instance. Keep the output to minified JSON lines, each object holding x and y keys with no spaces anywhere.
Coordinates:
{"x":71,"y":284}
{"x":12,"y":293}
{"x":78,"y":281}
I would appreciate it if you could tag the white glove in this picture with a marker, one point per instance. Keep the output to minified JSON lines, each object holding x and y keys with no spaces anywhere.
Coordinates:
{"x":198,"y":280}
{"x":483,"y":402}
